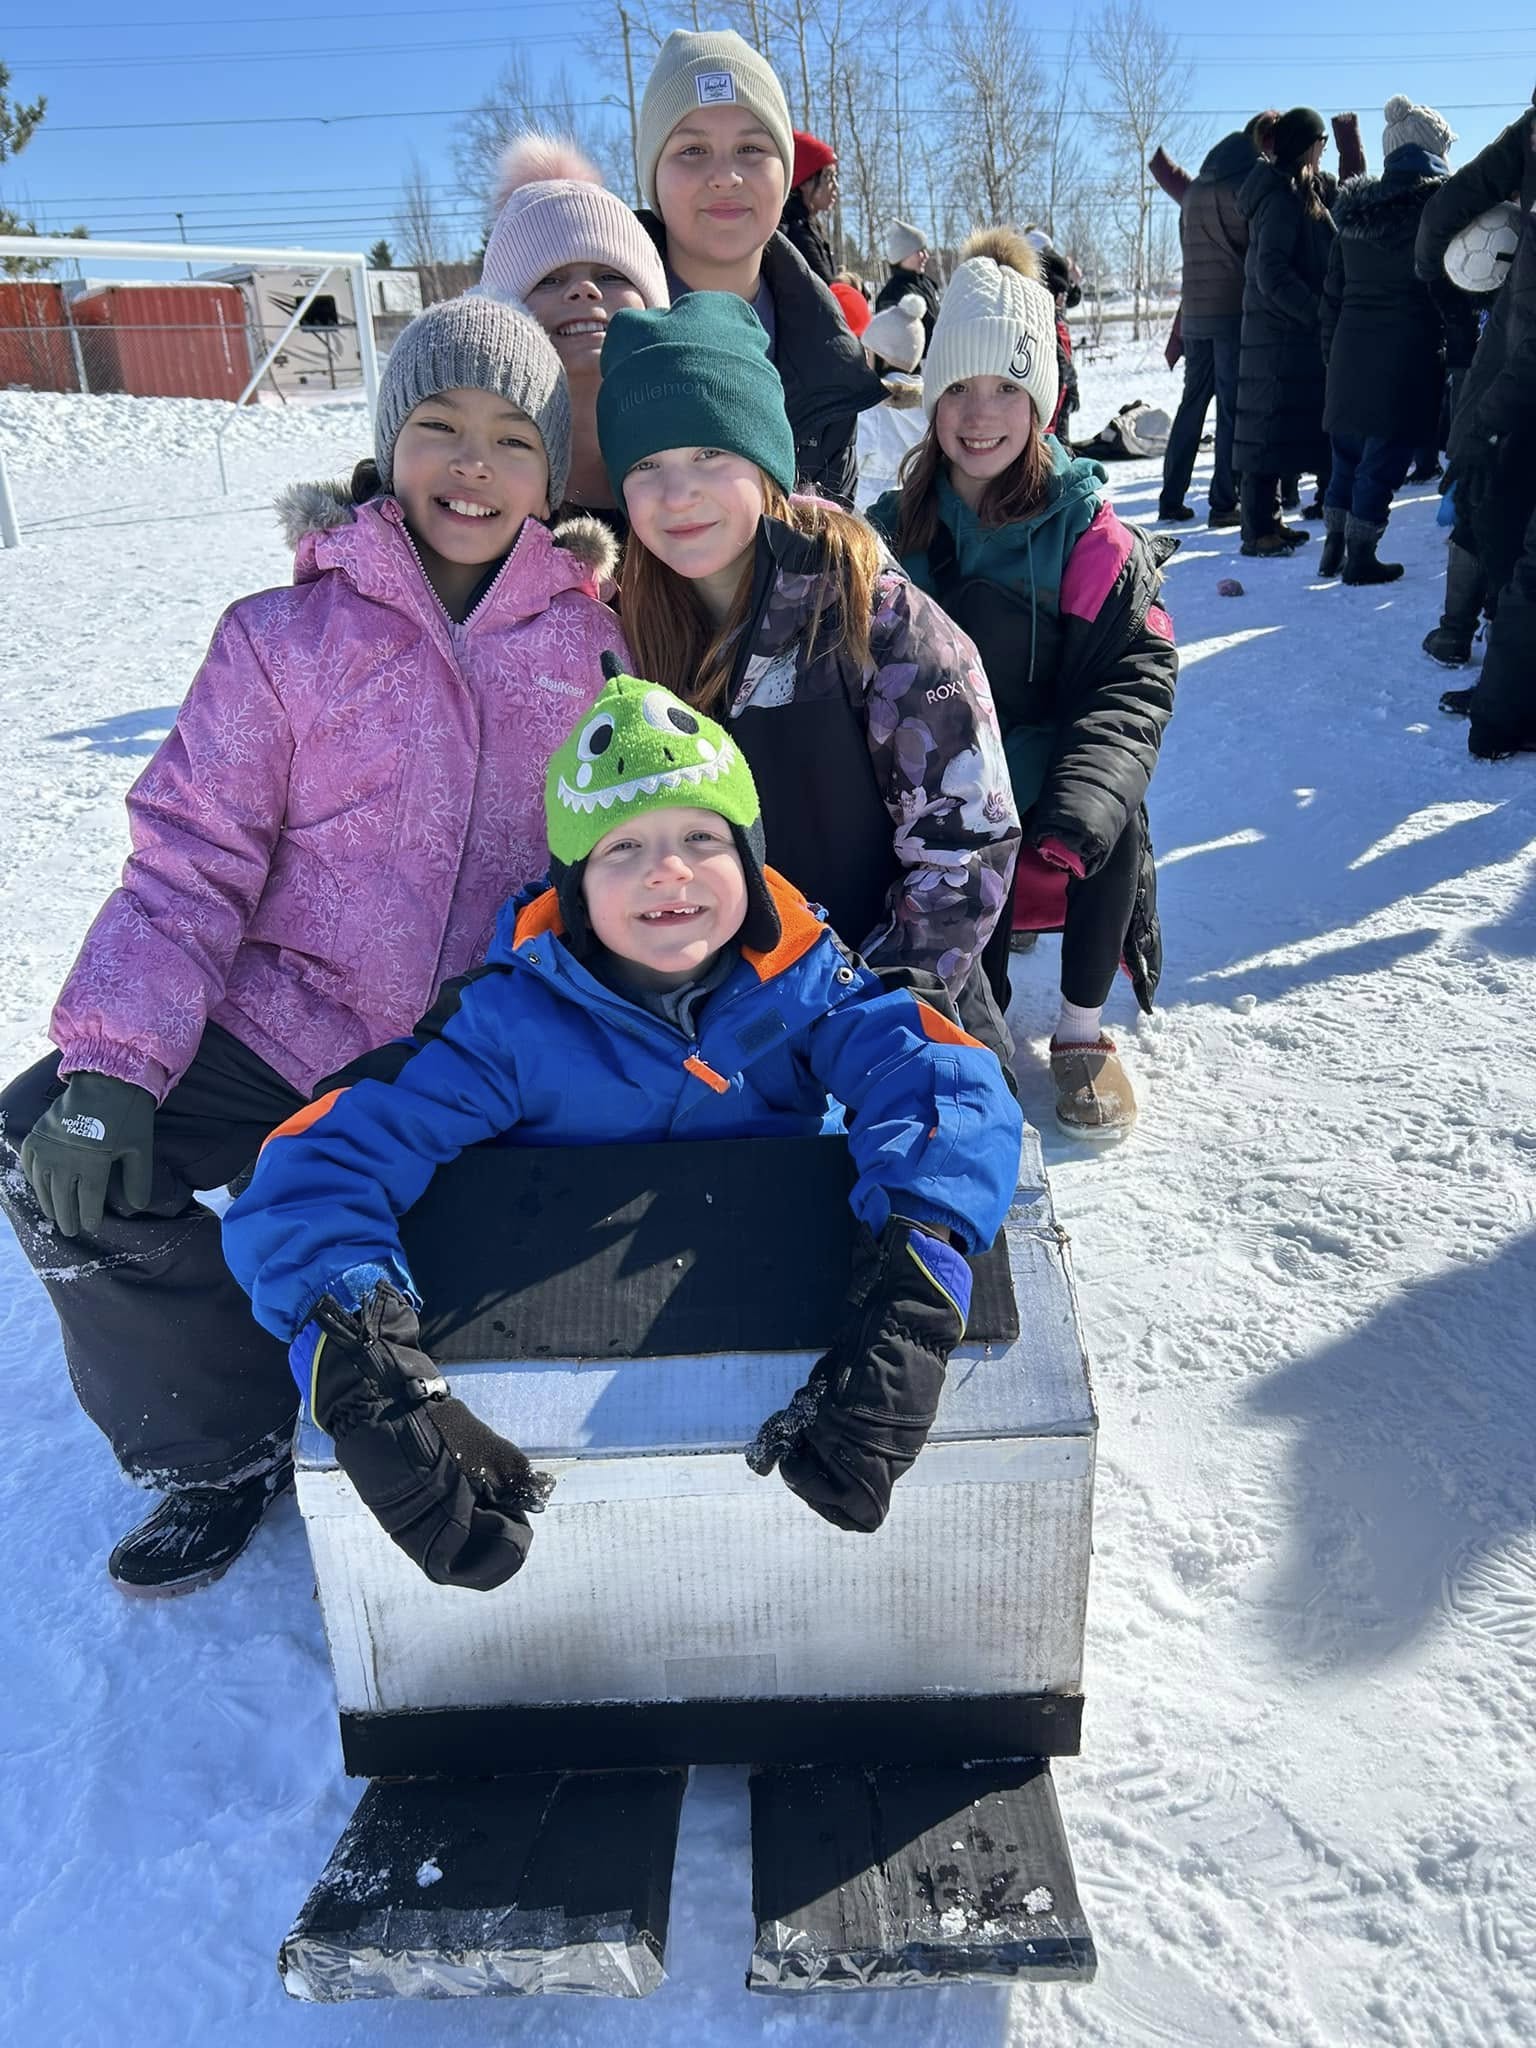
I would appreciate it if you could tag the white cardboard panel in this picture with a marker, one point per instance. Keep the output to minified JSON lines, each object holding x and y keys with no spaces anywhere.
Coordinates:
{"x":974,"y":1585}
{"x":664,"y":1569}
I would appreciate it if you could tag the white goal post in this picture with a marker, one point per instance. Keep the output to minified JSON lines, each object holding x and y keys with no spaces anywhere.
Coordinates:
{"x":321,"y":262}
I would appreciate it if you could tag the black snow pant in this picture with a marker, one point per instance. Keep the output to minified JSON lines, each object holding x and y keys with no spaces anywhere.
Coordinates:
{"x":1099,"y":908}
{"x":166,"y":1357}
{"x":1503,"y":706}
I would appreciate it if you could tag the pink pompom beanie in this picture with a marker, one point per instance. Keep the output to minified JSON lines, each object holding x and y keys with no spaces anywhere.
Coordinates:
{"x":553,"y":208}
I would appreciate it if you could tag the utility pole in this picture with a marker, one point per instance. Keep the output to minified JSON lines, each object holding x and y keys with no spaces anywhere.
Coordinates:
{"x":183,"y":226}
{"x":634,"y":125}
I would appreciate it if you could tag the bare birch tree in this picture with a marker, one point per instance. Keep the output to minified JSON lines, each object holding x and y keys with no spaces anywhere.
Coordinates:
{"x":1146,"y":83}
{"x":993,"y":80}
{"x":427,"y":237}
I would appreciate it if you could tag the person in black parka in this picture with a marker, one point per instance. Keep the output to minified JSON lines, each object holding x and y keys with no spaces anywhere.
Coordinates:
{"x":812,"y":196}
{"x":1213,"y":235}
{"x":907,"y":252}
{"x":1383,"y":341}
{"x":1280,"y":385}
{"x":1493,"y":445}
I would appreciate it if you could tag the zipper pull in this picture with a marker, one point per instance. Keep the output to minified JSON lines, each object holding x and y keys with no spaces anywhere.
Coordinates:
{"x":702,"y":1071}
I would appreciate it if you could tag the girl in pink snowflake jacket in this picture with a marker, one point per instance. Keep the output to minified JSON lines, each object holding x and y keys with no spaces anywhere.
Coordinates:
{"x":353,"y":787}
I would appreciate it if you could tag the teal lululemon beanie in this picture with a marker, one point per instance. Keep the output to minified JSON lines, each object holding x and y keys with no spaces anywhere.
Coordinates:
{"x":696,"y":375}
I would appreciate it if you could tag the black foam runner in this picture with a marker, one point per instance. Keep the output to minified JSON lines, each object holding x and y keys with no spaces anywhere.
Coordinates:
{"x":646,"y":1251}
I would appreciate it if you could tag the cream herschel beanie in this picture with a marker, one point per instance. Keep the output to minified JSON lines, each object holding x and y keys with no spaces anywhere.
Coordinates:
{"x":715,"y":68}
{"x":994,"y":323}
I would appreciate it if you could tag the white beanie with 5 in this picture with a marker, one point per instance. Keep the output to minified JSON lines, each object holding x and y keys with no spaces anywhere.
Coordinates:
{"x":994,"y":323}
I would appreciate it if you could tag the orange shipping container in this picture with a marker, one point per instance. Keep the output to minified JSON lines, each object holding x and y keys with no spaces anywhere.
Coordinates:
{"x":164,"y":340}
{"x":35,"y":354}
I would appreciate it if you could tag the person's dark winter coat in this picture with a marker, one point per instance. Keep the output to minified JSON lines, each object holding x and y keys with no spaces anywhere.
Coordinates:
{"x":1381,"y":331}
{"x":1213,"y":233}
{"x":800,"y":227}
{"x":1065,"y":613}
{"x":1493,"y":437}
{"x":898,"y":284}
{"x":827,"y":382}
{"x":1280,"y":388}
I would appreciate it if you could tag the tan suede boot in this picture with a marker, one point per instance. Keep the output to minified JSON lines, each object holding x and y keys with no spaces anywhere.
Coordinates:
{"x":1093,"y":1094}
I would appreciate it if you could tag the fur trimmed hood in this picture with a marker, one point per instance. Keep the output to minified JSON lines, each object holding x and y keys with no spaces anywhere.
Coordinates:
{"x":1384,"y":210}
{"x":322,"y":507}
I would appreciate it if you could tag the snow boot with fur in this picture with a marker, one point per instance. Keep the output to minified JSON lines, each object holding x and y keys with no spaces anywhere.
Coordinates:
{"x":1093,"y":1092}
{"x":1331,"y":560}
{"x":1450,"y":643}
{"x":194,"y":1536}
{"x":1360,"y":563}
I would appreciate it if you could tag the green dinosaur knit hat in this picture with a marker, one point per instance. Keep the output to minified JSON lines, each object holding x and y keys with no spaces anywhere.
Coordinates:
{"x":638,"y":749}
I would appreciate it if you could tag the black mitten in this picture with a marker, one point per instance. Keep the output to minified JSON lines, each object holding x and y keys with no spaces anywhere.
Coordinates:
{"x":865,"y":1412}
{"x":452,"y":1493}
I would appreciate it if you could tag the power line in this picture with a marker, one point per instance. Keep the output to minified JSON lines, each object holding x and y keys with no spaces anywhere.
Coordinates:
{"x":611,"y":101}
{"x":268,"y":20}
{"x":283,"y":54}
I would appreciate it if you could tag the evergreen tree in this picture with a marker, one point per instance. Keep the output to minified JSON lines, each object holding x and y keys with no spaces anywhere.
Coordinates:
{"x":17,"y":126}
{"x":381,"y":256}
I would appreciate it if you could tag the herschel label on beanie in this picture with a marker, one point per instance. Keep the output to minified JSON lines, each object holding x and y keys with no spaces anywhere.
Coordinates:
{"x":715,"y":88}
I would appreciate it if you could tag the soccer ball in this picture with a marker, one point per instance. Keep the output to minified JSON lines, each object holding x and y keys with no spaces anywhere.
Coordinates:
{"x":1479,"y":257}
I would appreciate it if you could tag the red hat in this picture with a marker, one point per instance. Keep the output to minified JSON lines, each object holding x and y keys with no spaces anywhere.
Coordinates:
{"x":853,"y":302}
{"x":812,"y":156}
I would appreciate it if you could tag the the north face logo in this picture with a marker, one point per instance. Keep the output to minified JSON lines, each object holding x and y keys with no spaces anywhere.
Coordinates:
{"x":86,"y":1127}
{"x":715,"y":88}
{"x":1023,"y":362}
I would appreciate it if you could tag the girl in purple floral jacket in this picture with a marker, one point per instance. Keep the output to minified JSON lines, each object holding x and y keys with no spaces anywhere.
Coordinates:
{"x":865,"y":711}
{"x":353,"y":787}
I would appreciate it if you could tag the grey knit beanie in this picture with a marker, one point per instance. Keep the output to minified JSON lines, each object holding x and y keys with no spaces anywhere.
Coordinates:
{"x":902,"y":239}
{"x":717,"y":68}
{"x":1410,"y":125}
{"x":476,"y":344}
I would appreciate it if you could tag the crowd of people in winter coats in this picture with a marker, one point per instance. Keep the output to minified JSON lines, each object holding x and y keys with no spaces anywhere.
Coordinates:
{"x":472,"y":779}
{"x":1320,"y":317}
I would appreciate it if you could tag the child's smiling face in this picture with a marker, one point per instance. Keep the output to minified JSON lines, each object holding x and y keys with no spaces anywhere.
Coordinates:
{"x":469,"y":468}
{"x":665,"y":891}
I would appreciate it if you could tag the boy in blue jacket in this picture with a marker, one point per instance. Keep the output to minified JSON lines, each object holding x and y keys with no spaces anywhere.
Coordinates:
{"x":667,"y":985}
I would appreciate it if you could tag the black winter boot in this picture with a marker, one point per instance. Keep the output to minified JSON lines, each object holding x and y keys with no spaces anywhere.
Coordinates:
{"x":1360,"y":563}
{"x":1456,"y":703}
{"x":1450,"y":643}
{"x":194,"y":1536}
{"x":1331,"y":560}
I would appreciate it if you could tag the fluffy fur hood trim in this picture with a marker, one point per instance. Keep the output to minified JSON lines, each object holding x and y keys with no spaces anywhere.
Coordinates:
{"x":322,"y":507}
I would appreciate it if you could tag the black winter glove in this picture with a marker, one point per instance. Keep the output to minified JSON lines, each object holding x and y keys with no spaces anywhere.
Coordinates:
{"x":865,"y":1412}
{"x":99,"y":1137}
{"x":447,"y":1489}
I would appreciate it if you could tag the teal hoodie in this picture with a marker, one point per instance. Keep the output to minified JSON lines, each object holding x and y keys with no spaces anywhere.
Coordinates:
{"x":1028,"y":554}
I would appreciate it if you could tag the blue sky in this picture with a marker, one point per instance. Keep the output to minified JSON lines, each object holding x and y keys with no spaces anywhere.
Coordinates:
{"x":109,"y":67}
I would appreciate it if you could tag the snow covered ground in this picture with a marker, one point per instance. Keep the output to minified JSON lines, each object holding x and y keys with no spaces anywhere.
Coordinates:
{"x":1306,"y":1809}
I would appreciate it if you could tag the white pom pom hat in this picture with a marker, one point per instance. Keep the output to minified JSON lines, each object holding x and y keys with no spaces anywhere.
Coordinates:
{"x":555,"y":209}
{"x":994,"y":323}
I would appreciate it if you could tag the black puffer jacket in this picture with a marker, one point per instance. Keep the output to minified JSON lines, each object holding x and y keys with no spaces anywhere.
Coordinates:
{"x":798,"y":227}
{"x":1213,"y":232}
{"x":895,"y":289}
{"x":1280,"y":385}
{"x":827,"y":382}
{"x":1500,"y":392}
{"x":1382,"y":336}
